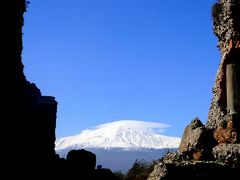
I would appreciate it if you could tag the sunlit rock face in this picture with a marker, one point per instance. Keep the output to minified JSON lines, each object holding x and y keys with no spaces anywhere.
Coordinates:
{"x":197,"y":141}
{"x":215,"y":145}
{"x":223,"y":125}
{"x":226,"y":26}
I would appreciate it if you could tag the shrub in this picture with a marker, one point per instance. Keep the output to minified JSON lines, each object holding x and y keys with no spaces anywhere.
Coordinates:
{"x":140,"y":170}
{"x":120,"y":175}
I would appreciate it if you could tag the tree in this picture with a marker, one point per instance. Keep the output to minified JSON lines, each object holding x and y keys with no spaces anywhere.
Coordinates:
{"x":120,"y":175}
{"x":140,"y":170}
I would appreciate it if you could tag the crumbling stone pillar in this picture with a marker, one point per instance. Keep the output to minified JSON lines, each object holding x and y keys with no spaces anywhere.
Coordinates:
{"x":212,"y":151}
{"x":223,"y":125}
{"x":224,"y":112}
{"x":233,"y":88}
{"x":226,"y":91}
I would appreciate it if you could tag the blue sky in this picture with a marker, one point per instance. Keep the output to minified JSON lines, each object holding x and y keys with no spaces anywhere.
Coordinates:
{"x":108,"y":60}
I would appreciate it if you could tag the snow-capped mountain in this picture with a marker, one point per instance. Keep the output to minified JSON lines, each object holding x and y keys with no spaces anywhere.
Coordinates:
{"x":118,"y":144}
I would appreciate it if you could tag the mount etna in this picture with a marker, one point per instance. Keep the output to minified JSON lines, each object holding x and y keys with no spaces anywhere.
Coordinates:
{"x":119,"y":144}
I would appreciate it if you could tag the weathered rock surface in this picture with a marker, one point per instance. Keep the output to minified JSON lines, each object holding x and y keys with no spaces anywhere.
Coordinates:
{"x":226,"y":133}
{"x":212,"y":151}
{"x":226,"y":26}
{"x":228,"y":154}
{"x":193,"y":170}
{"x":197,"y":141}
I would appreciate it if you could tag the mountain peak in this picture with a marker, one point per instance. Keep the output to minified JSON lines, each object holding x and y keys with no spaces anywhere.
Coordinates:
{"x":134,"y":125}
{"x":123,"y":134}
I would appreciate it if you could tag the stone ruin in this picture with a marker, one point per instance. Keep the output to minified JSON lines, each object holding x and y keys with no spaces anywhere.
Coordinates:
{"x":213,"y":150}
{"x":30,"y":118}
{"x":206,"y":151}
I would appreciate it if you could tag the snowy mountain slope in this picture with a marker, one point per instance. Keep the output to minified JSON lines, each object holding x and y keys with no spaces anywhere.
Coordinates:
{"x":118,"y":144}
{"x":121,"y":134}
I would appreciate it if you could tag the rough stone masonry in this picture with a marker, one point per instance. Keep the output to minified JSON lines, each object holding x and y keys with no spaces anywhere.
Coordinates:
{"x":226,"y":91}
{"x":223,"y":125}
{"x":224,"y":114}
{"x":213,"y":150}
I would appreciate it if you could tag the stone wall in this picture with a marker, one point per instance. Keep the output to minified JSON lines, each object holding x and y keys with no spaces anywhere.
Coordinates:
{"x":212,"y":151}
{"x":223,"y":125}
{"x":226,"y":26}
{"x":28,"y":117}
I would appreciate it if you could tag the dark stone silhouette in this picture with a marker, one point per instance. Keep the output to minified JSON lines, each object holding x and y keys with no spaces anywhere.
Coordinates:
{"x":81,"y":164}
{"x":83,"y":159}
{"x":30,"y":118}
{"x":105,"y":174}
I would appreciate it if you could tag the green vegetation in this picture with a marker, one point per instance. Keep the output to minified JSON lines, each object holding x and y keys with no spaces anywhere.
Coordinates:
{"x":120,"y":175}
{"x":140,"y":170}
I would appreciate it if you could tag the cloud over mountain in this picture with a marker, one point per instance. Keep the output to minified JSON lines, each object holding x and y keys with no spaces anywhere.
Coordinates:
{"x":121,"y":134}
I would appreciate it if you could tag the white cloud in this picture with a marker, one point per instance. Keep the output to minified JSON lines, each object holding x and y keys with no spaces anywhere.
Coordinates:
{"x":136,"y":125}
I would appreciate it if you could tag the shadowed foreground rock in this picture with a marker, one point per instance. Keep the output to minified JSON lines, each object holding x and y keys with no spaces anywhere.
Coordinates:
{"x":212,"y":151}
{"x":197,"y":170}
{"x":81,"y":164}
{"x":30,"y":118}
